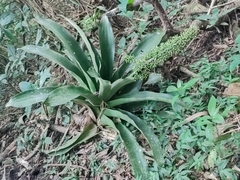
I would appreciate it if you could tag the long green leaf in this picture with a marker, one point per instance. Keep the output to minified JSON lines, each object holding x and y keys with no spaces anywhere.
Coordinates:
{"x":148,"y":43}
{"x":107,"y":45}
{"x":57,"y":58}
{"x":140,"y":96}
{"x":76,"y":54}
{"x":117,"y":114}
{"x":104,"y":89}
{"x":118,"y":84}
{"x":88,"y":132}
{"x":122,"y":71}
{"x":135,"y":153}
{"x":94,"y":58}
{"x":150,"y":136}
{"x":27,"y":98}
{"x":106,"y":121}
{"x":133,"y":87}
{"x":65,"y":94}
{"x":68,"y":41}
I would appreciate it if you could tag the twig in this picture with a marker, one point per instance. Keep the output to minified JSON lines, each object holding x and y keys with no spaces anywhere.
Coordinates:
{"x":211,"y":6}
{"x":163,"y":16}
{"x":194,"y":116}
{"x":5,"y":153}
{"x":188,"y":72}
{"x":71,"y":166}
{"x":224,"y":4}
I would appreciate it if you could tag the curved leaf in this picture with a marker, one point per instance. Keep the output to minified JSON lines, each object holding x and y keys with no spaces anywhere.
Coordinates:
{"x":68,"y":41}
{"x":74,"y":52}
{"x":148,"y":43}
{"x":120,"y":115}
{"x":135,"y":153}
{"x":65,"y":94}
{"x":107,"y":46}
{"x":118,"y":84}
{"x":94,"y":58}
{"x":150,"y":136}
{"x":104,"y":89}
{"x":88,"y":132}
{"x":30,"y":97}
{"x":132,"y":87}
{"x":57,"y":58}
{"x":122,"y":71}
{"x":140,"y":96}
{"x":106,"y":121}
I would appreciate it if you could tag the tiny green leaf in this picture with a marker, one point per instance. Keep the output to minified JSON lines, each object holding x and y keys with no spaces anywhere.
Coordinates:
{"x":212,"y":106}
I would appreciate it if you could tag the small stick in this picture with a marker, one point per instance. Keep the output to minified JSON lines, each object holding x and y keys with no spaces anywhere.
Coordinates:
{"x":211,"y":6}
{"x":5,"y":153}
{"x":188,"y":72}
{"x":224,"y":4}
{"x":71,"y":166}
{"x":194,"y":116}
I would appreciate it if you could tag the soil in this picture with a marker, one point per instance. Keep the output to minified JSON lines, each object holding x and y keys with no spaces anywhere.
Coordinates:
{"x":23,"y":164}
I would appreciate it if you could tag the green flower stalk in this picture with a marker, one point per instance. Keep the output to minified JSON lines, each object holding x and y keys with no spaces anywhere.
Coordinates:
{"x":144,"y":66}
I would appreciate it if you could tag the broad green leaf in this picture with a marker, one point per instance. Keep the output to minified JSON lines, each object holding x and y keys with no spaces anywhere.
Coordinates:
{"x":25,"y":86}
{"x":59,"y":59}
{"x":74,"y":51}
{"x":94,"y":59}
{"x":106,"y":121}
{"x":235,"y":62}
{"x":83,"y":102}
{"x":65,"y":94}
{"x":212,"y":106}
{"x":104,"y":89}
{"x":88,"y":132}
{"x":132,"y":87}
{"x":148,"y":43}
{"x":140,"y":96}
{"x":118,"y":84}
{"x":135,"y":152}
{"x":190,"y":83}
{"x":107,"y":45}
{"x":153,"y":78}
{"x":212,"y":158}
{"x":123,"y":5}
{"x":10,"y":36}
{"x":122,"y":71}
{"x":152,"y":139}
{"x":68,"y":41}
{"x":120,"y":115}
{"x":27,"y":98}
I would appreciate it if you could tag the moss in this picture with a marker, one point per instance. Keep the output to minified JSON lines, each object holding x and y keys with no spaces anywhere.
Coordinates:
{"x":145,"y":65}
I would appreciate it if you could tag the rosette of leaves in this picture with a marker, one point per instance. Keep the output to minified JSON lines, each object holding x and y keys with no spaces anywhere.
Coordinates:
{"x":102,"y":88}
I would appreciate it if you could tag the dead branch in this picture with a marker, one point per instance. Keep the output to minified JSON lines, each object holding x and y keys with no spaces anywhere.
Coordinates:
{"x":5,"y":153}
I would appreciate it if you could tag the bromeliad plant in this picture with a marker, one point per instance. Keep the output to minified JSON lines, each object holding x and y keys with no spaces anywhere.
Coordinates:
{"x":104,"y":90}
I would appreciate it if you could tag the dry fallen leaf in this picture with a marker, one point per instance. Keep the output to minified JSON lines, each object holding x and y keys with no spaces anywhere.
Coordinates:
{"x":232,"y":90}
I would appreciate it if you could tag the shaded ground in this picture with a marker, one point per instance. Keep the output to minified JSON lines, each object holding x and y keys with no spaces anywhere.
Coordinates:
{"x":103,"y":154}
